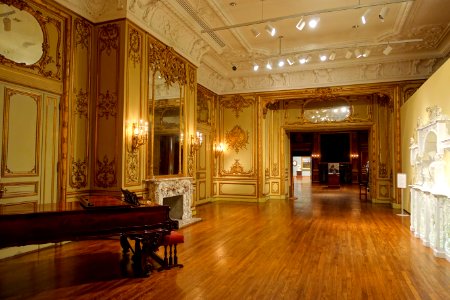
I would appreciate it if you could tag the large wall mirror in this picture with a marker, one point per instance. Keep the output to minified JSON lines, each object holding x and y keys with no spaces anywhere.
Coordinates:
{"x":21,"y":35}
{"x":167,"y":74}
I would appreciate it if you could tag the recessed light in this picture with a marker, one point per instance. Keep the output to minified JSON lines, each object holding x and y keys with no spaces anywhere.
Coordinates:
{"x":233,"y":3}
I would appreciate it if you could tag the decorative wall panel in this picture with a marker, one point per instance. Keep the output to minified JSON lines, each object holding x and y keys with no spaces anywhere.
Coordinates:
{"x":80,"y":108}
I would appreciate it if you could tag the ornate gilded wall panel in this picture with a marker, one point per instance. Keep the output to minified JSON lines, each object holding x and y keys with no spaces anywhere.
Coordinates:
{"x":135,"y":101}
{"x":238,"y":127}
{"x":205,"y":99}
{"x":108,"y":132}
{"x":21,"y":133}
{"x":80,"y":109}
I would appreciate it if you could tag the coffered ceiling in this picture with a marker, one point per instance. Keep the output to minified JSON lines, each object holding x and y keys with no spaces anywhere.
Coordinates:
{"x":219,"y":37}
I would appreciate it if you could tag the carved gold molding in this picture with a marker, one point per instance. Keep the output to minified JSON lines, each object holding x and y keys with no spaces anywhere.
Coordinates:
{"x":106,"y":174}
{"x":236,"y":103}
{"x":81,"y":106}
{"x":132,"y":167}
{"x":83,"y":31}
{"x":108,"y":38}
{"x":167,"y":62}
{"x":42,"y":65}
{"x":78,"y":178}
{"x":236,"y":169}
{"x":204,"y":106}
{"x":237,"y":138}
{"x":107,"y":105}
{"x":134,"y":46}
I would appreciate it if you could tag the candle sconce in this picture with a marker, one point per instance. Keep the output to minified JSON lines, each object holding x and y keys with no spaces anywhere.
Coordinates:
{"x":218,"y":149}
{"x":139,"y":134}
{"x":196,"y":142}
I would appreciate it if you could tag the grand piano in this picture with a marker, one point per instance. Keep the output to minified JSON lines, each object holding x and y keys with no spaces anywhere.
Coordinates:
{"x":97,"y":217}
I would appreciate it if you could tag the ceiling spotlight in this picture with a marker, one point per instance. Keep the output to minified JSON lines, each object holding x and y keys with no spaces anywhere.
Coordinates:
{"x":348,"y":54}
{"x":366,"y":53}
{"x":364,"y":16}
{"x":301,"y":24}
{"x":332,"y":56}
{"x":255,"y":67}
{"x":302,"y":60}
{"x":255,"y":32}
{"x":383,"y":13}
{"x":323,"y":57}
{"x":269,"y":65}
{"x":387,"y":50}
{"x":313,"y":22}
{"x":281,"y":62}
{"x":270,"y":29}
{"x":290,"y":61}
{"x":358,"y":53}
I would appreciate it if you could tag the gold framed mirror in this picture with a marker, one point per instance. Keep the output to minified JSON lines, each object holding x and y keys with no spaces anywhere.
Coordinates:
{"x":167,"y":84}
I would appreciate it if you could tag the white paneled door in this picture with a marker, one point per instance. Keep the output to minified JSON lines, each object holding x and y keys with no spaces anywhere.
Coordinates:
{"x":29,"y":149}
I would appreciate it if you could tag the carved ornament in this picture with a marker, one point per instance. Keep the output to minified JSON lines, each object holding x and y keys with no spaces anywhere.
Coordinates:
{"x":106,"y":174}
{"x":236,"y":169}
{"x":107,"y":105}
{"x":81,"y":103}
{"x":237,"y":138}
{"x":42,"y":65}
{"x":134,"y":47}
{"x":82,"y":33}
{"x":78,"y":178}
{"x":237,"y":104}
{"x":132,"y":167}
{"x":108,"y":38}
{"x":165,"y":60}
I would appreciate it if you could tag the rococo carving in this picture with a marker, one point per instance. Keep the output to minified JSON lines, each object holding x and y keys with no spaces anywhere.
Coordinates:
{"x":78,"y":178}
{"x":42,"y":66}
{"x":132,"y":167}
{"x":165,"y":60}
{"x":237,"y":138}
{"x":236,"y":169}
{"x":107,"y":105}
{"x":81,"y":103}
{"x":108,"y":38}
{"x":82,"y":33}
{"x":134,"y":47}
{"x":106,"y":174}
{"x":237,"y":103}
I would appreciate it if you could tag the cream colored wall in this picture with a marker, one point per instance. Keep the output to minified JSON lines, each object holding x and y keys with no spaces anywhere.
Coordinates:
{"x":435,"y":91}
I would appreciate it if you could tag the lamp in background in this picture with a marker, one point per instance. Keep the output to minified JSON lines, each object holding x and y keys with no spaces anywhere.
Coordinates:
{"x":196,"y":142}
{"x":315,"y":155}
{"x":218,"y":149}
{"x":354,"y":155}
{"x":301,"y":24}
{"x":387,"y":50}
{"x":139,"y":134}
{"x":270,"y":29}
{"x":364,"y":16}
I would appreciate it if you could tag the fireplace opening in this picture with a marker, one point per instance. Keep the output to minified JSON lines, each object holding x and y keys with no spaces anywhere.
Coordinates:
{"x":176,"y":206}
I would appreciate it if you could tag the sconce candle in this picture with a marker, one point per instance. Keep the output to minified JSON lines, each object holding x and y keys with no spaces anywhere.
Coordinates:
{"x":196,"y":142}
{"x":218,"y":149}
{"x":140,"y":134}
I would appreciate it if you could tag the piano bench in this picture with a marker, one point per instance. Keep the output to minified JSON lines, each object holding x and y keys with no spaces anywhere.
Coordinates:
{"x":172,"y":240}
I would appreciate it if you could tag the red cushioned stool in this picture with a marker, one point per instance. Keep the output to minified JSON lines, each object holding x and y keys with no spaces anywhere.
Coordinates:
{"x":172,"y":240}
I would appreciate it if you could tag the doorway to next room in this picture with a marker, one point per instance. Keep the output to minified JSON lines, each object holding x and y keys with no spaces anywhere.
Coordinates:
{"x":334,"y":159}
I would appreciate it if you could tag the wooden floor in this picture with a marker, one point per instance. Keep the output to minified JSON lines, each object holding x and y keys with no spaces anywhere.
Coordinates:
{"x":326,"y":244}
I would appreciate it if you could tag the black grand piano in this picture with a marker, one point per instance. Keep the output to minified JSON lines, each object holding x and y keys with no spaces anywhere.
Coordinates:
{"x":96,"y":217}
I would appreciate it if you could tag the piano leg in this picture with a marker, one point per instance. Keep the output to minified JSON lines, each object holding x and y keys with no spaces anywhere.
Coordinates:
{"x":125,"y":244}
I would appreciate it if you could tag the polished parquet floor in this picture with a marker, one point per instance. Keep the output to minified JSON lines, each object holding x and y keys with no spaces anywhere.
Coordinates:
{"x":326,"y":244}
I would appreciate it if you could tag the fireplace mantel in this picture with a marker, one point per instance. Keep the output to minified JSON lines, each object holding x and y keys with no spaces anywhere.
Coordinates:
{"x":159,"y":188}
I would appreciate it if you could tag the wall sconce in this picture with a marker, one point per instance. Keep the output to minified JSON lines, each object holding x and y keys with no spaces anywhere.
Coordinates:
{"x":139,"y":134}
{"x":218,"y":149}
{"x":315,"y":155}
{"x":354,"y":155}
{"x":196,"y":142}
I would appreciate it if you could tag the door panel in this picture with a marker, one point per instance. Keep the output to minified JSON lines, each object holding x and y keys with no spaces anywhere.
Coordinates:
{"x":29,"y":151}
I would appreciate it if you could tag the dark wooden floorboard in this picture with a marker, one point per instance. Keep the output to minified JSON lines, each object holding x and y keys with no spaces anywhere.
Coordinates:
{"x":326,"y":244}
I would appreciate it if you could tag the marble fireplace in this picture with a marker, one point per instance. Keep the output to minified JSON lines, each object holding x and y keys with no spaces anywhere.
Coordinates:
{"x":177,"y":192}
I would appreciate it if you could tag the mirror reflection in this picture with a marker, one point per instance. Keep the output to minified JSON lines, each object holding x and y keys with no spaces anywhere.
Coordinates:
{"x":318,"y":111}
{"x":21,"y":36}
{"x":168,"y":125}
